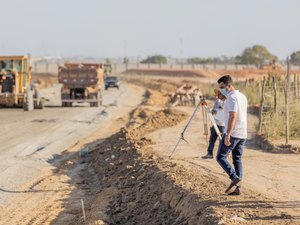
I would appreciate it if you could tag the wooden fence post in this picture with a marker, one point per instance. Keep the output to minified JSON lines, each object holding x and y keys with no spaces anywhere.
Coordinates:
{"x":259,"y":87}
{"x":295,"y":87}
{"x":262,"y":101}
{"x":298,"y":87}
{"x":287,"y":93}
{"x":275,"y":93}
{"x":47,"y":67}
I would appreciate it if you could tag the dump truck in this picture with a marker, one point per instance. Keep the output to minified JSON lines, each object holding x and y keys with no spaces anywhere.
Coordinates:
{"x":82,"y":82}
{"x":15,"y":87}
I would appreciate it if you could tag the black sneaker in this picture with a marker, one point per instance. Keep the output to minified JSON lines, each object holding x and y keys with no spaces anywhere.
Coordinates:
{"x":233,"y":183}
{"x":237,"y":191}
{"x":208,"y":156}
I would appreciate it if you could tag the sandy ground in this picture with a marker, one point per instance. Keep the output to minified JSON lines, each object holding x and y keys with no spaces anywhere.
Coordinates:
{"x":32,"y":144}
{"x":128,"y":178}
{"x":274,"y":177}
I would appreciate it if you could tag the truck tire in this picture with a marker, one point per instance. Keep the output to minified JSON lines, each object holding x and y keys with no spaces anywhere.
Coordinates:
{"x":100,"y":100}
{"x":38,"y":102}
{"x":97,"y":98}
{"x":64,"y":96}
{"x":98,"y":103}
{"x":66,"y":104}
{"x":28,"y":104}
{"x":92,"y":97}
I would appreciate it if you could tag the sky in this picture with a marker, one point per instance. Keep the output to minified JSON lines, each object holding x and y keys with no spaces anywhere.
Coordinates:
{"x":138,"y":28}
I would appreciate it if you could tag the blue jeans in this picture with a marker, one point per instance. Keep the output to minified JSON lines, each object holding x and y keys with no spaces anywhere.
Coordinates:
{"x":236,"y":148}
{"x":213,"y":137}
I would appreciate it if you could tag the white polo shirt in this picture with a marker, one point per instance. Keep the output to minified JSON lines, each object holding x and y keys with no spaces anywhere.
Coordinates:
{"x":236,"y":102}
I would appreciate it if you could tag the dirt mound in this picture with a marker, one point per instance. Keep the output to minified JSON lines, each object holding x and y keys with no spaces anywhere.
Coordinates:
{"x":155,"y":98}
{"x":162,"y":85}
{"x":240,"y":74}
{"x":143,"y":193}
{"x":144,"y":120}
{"x":136,"y":187}
{"x":142,"y":113}
{"x":157,"y":93}
{"x":167,"y":72}
{"x":263,"y":142}
{"x":162,"y":118}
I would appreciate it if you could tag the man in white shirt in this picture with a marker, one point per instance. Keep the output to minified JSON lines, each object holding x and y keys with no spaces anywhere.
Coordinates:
{"x":235,"y":113}
{"x":218,"y":114}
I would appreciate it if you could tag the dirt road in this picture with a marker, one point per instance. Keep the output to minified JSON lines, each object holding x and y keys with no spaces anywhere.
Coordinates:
{"x":272,"y":177}
{"x":30,"y":140}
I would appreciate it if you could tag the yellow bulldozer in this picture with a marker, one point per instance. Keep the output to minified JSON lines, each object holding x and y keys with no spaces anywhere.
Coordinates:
{"x":15,"y":87}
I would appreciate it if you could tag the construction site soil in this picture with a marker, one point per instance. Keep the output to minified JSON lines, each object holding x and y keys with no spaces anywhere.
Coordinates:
{"x":127,"y":179}
{"x":134,"y":186}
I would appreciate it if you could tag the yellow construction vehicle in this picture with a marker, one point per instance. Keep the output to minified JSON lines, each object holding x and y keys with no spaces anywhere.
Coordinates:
{"x":15,"y":87}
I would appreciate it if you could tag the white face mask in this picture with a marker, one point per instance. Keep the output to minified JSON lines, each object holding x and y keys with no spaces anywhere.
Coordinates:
{"x":224,"y":91}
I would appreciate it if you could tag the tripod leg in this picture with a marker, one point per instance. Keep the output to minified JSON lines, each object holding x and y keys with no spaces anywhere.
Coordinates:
{"x":213,"y":122}
{"x":175,"y":147}
{"x":184,"y":130}
{"x":204,"y":123}
{"x":206,"y":126}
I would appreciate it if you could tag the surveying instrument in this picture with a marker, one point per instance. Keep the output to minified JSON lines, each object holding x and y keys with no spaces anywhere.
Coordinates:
{"x":206,"y":112}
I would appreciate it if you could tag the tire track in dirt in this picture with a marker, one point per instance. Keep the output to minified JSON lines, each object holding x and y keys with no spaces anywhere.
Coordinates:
{"x":40,"y":199}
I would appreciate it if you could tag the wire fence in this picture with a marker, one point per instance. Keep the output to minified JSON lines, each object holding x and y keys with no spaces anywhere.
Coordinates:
{"x":279,"y":114}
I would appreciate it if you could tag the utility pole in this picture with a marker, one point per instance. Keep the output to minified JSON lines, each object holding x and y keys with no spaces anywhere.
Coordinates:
{"x":180,"y":50}
{"x":181,"y":47}
{"x":125,"y":48}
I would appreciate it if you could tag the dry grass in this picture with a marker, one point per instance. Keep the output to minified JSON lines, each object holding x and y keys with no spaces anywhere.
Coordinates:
{"x":274,"y":123}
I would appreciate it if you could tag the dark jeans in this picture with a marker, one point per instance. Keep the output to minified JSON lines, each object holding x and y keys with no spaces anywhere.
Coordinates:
{"x":236,"y":148}
{"x":213,"y":137}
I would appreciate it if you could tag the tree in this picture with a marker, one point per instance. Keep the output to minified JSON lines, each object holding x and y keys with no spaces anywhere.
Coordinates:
{"x":155,"y":59}
{"x":125,"y":60}
{"x":198,"y":60}
{"x":257,"y":54}
{"x":295,"y":58}
{"x":214,"y":60}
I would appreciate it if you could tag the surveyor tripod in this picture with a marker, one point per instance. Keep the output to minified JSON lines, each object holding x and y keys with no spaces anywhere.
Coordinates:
{"x":205,"y":112}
